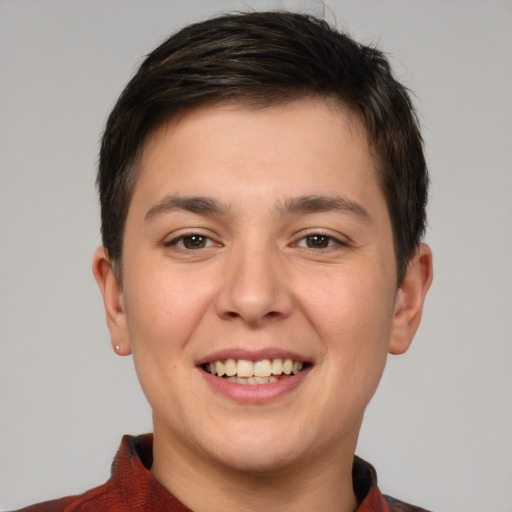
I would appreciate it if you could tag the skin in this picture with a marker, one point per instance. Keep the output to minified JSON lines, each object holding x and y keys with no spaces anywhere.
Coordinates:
{"x":258,"y":282}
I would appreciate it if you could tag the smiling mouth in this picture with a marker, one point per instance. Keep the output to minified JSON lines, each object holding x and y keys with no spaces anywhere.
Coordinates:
{"x":264,"y":371}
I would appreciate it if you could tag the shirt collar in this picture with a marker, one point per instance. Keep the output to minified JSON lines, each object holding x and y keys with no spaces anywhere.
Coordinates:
{"x":136,"y":484}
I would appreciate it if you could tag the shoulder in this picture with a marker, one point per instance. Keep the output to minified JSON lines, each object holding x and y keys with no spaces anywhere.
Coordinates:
{"x":99,"y":498}
{"x":399,"y":506}
{"x":49,"y":506}
{"x":130,"y":486}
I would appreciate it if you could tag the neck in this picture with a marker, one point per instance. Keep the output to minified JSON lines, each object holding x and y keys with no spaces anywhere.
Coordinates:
{"x":323,"y":482}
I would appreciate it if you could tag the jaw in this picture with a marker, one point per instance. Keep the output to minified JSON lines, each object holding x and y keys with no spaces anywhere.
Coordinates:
{"x":255,"y":428}
{"x":255,"y":443}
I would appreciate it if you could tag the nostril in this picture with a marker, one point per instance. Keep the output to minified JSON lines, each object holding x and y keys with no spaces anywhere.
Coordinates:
{"x":269,"y":315}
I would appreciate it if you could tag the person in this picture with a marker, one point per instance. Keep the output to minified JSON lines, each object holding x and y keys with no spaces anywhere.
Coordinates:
{"x":263,"y":193}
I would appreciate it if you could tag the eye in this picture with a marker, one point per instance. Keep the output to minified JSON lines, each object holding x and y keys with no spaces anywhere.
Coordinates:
{"x":191,"y":242}
{"x":318,"y":241}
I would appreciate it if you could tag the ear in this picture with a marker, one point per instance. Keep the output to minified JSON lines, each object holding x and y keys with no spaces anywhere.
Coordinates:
{"x":410,"y":299}
{"x":113,"y":300}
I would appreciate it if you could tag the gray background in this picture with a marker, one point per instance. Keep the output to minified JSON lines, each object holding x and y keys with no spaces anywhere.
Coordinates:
{"x":439,"y":428}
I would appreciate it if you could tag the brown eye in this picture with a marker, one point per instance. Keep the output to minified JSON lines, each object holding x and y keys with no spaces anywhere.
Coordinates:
{"x":194,"y":241}
{"x":318,"y":241}
{"x":191,"y":242}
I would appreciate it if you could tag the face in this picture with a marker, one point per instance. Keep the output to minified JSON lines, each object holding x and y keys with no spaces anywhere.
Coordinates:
{"x":258,"y":246}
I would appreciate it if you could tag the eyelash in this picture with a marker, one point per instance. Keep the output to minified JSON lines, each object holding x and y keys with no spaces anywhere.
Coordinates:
{"x":332,"y":241}
{"x":181,"y":239}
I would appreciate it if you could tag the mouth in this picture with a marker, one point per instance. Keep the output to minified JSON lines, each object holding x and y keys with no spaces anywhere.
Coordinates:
{"x":264,"y":371}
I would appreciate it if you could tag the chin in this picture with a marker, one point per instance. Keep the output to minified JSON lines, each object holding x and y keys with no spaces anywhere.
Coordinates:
{"x":262,"y":450}
{"x":254,"y":460}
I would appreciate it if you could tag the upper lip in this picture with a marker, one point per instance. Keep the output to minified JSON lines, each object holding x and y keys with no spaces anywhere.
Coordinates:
{"x":250,"y":355}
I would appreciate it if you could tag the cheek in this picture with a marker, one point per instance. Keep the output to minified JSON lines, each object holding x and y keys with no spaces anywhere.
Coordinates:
{"x":163,"y":311}
{"x":349,"y":299}
{"x":164,"y":306}
{"x":352,"y":312}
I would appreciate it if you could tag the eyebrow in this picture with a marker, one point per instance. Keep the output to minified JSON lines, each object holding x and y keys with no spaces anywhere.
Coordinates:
{"x":194,"y":204}
{"x":311,"y":204}
{"x":302,"y":205}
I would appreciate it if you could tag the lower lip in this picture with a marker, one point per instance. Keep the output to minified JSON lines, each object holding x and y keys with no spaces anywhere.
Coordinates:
{"x":255,"y":393}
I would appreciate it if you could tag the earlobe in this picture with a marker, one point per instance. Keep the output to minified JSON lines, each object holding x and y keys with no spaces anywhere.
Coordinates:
{"x":410,"y":299}
{"x":113,"y":301}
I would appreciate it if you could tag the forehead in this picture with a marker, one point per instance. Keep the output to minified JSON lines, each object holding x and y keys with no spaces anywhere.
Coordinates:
{"x":306,"y":120}
{"x":264,"y":150}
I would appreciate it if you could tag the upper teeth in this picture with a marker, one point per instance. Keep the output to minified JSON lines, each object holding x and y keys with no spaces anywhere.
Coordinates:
{"x":262,"y":368}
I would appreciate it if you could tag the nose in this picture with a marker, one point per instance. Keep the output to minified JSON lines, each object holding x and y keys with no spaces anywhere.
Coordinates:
{"x":255,"y":290}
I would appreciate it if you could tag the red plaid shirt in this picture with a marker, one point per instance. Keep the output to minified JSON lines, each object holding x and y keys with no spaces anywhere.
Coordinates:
{"x":133,"y":488}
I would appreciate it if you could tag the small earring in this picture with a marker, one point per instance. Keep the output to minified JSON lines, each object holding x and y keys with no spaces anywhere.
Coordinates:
{"x":118,"y":347}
